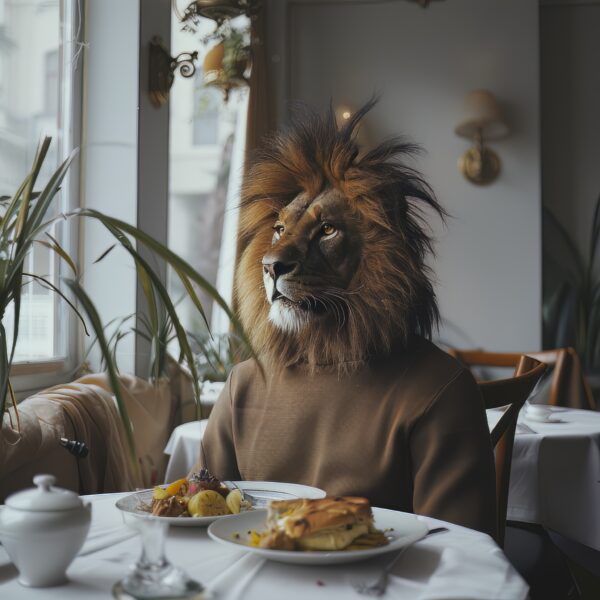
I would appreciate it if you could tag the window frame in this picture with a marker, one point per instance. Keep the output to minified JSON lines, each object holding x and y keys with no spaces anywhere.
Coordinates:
{"x":32,"y":375}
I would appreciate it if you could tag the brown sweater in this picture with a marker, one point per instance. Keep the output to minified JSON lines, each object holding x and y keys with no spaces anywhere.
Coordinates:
{"x":408,"y":433}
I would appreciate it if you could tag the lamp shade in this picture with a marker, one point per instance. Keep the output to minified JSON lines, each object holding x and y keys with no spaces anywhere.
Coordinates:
{"x":481,"y":115}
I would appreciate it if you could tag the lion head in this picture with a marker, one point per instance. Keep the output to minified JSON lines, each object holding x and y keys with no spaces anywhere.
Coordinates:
{"x":334,"y":246}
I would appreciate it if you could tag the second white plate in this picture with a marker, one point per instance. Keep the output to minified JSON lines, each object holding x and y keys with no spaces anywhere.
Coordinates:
{"x":401,"y":528}
{"x":269,"y":490}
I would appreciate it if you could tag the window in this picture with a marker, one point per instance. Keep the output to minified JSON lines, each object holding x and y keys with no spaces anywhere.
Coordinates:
{"x":51,"y":79}
{"x":207,"y":138}
{"x":38,"y":69}
{"x":205,"y":118}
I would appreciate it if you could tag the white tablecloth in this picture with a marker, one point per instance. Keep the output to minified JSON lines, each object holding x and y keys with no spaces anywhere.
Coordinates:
{"x":183,"y":448}
{"x":555,"y":475}
{"x":459,"y":564}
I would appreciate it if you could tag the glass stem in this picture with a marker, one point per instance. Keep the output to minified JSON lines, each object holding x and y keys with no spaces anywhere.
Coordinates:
{"x":153,"y":535}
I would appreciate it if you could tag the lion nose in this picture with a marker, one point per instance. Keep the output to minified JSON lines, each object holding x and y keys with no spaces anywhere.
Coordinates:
{"x":278,"y":268}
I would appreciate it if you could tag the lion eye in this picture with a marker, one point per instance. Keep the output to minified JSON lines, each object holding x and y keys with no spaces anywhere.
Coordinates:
{"x":279,"y":229}
{"x":328,"y":229}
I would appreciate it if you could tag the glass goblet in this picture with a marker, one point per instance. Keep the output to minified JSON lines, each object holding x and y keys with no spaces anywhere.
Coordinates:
{"x":152,"y":577}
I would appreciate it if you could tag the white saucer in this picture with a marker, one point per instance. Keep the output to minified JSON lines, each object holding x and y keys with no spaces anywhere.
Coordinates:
{"x":548,"y":419}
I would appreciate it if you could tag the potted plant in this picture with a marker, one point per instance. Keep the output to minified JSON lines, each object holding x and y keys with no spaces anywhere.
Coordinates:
{"x":227,"y":63}
{"x":215,"y":356}
{"x":571,"y":292}
{"x":24,"y":221}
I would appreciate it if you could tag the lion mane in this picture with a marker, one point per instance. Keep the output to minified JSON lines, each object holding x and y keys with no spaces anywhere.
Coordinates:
{"x":390,"y":298}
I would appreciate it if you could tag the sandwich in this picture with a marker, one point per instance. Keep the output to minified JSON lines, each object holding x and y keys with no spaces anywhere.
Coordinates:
{"x":332,"y":523}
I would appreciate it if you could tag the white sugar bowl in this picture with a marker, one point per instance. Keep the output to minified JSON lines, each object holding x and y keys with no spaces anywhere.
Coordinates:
{"x":42,"y":529}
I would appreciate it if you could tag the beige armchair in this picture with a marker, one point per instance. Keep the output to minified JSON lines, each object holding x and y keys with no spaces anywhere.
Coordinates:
{"x":85,"y":410}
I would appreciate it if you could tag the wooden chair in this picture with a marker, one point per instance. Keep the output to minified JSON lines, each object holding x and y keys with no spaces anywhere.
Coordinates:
{"x":568,"y":385}
{"x":512,"y":393}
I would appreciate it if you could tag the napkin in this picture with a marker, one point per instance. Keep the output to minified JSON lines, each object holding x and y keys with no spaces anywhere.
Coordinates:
{"x":450,"y":566}
{"x":454,"y":573}
{"x":231,"y":583}
{"x":522,"y":428}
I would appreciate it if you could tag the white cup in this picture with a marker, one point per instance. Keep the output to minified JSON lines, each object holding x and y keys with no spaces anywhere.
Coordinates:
{"x":539,"y":411}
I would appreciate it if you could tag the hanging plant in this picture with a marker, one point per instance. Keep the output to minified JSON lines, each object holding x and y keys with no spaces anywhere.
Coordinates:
{"x":219,"y":11}
{"x":227,"y":64}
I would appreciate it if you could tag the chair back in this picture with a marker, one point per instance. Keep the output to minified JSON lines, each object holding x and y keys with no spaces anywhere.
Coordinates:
{"x":511,"y":393}
{"x":568,"y":385}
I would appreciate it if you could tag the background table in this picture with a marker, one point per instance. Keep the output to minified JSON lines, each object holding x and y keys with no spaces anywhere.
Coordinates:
{"x":459,"y":564}
{"x":555,"y":474}
{"x":183,"y":449}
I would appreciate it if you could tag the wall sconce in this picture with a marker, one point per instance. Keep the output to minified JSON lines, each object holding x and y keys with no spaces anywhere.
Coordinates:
{"x":162,"y":68}
{"x":482,"y":121}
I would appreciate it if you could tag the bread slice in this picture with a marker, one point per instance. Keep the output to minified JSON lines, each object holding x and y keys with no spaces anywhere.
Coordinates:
{"x":331,"y":523}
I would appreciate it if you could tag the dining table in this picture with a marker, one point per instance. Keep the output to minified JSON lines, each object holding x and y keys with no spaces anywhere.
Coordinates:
{"x":555,"y":472}
{"x":460,"y":563}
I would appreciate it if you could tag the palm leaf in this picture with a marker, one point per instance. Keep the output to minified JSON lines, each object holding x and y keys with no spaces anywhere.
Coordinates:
{"x":118,"y":327}
{"x":32,"y":225}
{"x":184,"y":347}
{"x":560,"y":249}
{"x":594,"y":240}
{"x":565,"y":280}
{"x":595,"y":229}
{"x":63,"y":254}
{"x":25,"y":206}
{"x":4,"y":368}
{"x":49,"y":285}
{"x":15,"y":294}
{"x":146,"y":285}
{"x":90,"y":310}
{"x":105,"y":253}
{"x":189,"y":288}
{"x":185,"y":350}
{"x":593,"y":329}
{"x":48,"y":193}
{"x":9,"y":217}
{"x":177,"y":263}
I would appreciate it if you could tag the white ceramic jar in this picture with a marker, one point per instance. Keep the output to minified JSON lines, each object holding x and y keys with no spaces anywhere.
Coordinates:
{"x":42,"y":529}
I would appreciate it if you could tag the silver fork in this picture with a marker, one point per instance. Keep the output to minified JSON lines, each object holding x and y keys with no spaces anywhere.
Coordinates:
{"x":253,"y":500}
{"x":379,"y":586}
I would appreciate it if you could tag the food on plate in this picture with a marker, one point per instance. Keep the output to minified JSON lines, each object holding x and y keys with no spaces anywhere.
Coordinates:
{"x":234,"y":501}
{"x":208,"y":503}
{"x":331,"y":523}
{"x":200,"y":495}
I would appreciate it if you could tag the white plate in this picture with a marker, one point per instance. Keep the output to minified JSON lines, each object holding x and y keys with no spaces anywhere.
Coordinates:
{"x":404,"y":529}
{"x":270,"y":490}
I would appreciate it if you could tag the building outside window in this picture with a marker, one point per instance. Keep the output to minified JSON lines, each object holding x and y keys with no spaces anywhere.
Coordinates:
{"x":36,"y":72}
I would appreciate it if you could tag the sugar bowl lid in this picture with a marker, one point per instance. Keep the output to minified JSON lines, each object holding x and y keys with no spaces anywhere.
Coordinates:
{"x":44,"y":497}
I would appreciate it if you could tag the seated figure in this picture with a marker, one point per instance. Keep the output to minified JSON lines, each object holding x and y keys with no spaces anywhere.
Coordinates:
{"x":349,"y":395}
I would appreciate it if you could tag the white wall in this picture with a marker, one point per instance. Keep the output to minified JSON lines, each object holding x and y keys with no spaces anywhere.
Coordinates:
{"x":424,"y":61}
